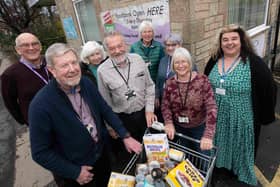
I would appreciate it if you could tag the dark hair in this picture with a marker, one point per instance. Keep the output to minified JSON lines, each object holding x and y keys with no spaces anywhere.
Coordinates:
{"x":245,"y":41}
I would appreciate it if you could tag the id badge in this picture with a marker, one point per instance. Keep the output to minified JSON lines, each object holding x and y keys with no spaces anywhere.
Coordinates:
{"x":129,"y":94}
{"x":220,"y":91}
{"x":183,"y":119}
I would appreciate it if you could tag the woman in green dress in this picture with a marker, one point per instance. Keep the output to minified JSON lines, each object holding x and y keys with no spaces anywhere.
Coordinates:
{"x":245,"y":94}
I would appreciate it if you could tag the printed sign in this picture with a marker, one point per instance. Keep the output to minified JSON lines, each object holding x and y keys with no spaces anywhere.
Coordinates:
{"x":69,"y":28}
{"x":127,"y":20}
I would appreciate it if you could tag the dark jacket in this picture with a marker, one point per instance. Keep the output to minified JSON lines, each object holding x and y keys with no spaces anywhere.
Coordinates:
{"x":87,"y":72}
{"x":59,"y":141}
{"x":19,"y":86}
{"x":264,"y":92}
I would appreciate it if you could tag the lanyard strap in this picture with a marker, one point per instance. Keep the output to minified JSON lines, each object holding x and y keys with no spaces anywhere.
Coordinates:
{"x":36,"y":73}
{"x":123,"y":77}
{"x":224,"y":73}
{"x":168,"y":67}
{"x":184,"y":100}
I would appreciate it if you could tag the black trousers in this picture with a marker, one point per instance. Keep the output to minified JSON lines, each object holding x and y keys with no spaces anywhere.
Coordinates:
{"x":101,"y":171}
{"x":136,"y":124}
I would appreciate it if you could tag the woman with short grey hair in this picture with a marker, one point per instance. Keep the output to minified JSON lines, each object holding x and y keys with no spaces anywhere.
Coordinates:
{"x":150,"y":50}
{"x":92,"y":55}
{"x":171,"y":42}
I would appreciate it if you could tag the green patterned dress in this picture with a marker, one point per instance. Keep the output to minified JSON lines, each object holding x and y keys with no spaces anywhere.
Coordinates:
{"x":235,"y":130}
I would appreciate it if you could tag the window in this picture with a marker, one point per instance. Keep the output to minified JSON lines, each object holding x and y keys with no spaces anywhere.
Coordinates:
{"x":248,"y":13}
{"x":87,"y":21}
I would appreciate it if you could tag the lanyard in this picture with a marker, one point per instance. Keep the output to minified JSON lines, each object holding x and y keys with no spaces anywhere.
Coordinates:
{"x":168,"y":67}
{"x":184,"y":100}
{"x":224,"y":73}
{"x":36,"y":73}
{"x":123,"y":77}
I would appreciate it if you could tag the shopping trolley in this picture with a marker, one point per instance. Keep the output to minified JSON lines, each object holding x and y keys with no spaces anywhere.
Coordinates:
{"x":203,"y":162}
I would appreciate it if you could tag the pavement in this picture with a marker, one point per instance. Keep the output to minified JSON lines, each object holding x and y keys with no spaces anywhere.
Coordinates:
{"x":19,"y":170}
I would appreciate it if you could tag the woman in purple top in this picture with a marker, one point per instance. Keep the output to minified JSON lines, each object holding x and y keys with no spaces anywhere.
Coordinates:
{"x":188,"y":104}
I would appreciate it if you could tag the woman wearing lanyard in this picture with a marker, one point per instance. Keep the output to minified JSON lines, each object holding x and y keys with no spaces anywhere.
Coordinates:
{"x":188,"y":104}
{"x":245,"y":96}
{"x":171,"y":42}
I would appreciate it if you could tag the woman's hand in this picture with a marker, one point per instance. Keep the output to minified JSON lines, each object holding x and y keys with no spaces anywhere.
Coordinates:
{"x":169,"y":130}
{"x":157,"y":103}
{"x":206,"y":143}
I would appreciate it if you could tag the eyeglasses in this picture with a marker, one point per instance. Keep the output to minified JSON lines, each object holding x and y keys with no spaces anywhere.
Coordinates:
{"x":170,"y":45}
{"x":28,"y":45}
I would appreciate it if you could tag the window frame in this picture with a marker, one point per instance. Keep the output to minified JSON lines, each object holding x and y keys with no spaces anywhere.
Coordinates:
{"x":262,"y":27}
{"x":78,"y":20}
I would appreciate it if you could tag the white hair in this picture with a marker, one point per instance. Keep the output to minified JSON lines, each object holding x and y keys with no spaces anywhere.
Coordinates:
{"x":89,"y":48}
{"x":145,"y":24}
{"x":181,"y":52}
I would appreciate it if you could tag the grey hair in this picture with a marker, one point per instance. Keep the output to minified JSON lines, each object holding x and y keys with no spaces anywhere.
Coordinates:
{"x":56,"y":50}
{"x":181,"y":52}
{"x":174,"y":38}
{"x":89,"y":48}
{"x":110,"y":35}
{"x":145,"y":24}
{"x":20,"y":36}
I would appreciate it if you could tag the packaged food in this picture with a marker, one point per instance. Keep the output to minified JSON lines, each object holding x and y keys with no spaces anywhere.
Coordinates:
{"x":156,"y":147}
{"x":142,"y":169}
{"x":176,"y":155}
{"x":186,"y":175}
{"x":121,"y":180}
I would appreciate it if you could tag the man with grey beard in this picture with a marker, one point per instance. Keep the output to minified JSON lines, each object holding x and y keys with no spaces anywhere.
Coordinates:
{"x":125,"y":83}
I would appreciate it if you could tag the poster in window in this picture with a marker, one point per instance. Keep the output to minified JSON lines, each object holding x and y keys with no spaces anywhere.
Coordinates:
{"x":127,"y":20}
{"x":69,"y":28}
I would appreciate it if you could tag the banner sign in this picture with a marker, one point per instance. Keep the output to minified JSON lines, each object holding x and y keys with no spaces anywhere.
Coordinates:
{"x":127,"y":20}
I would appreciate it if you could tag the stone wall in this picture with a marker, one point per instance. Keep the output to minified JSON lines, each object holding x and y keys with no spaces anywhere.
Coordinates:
{"x":198,"y":21}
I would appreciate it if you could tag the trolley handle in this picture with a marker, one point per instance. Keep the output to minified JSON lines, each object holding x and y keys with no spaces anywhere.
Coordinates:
{"x":160,"y":127}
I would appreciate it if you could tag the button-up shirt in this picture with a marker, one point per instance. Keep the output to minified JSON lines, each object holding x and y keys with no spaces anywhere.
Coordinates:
{"x":113,"y":87}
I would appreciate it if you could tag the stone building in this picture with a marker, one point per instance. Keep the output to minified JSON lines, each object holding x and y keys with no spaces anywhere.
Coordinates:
{"x":198,"y":21}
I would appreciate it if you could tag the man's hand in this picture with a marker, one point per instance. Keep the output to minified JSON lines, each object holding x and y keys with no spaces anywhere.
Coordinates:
{"x":85,"y":175}
{"x":206,"y":144}
{"x":169,"y":130}
{"x":150,"y":118}
{"x":132,"y":145}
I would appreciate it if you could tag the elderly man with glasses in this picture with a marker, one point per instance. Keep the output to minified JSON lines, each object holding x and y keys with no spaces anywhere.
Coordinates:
{"x":22,"y":80}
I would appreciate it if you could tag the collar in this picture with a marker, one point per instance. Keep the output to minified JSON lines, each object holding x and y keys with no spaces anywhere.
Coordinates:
{"x":31,"y":64}
{"x":72,"y":91}
{"x":151,"y":46}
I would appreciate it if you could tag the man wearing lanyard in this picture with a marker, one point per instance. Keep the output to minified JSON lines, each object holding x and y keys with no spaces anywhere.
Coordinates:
{"x":125,"y":83}
{"x":67,"y":133}
{"x":22,"y":80}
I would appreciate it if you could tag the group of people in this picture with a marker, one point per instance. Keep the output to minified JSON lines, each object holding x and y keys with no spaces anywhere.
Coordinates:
{"x":73,"y":107}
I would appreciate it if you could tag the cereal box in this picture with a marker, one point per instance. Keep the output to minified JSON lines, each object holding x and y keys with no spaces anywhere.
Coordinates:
{"x":121,"y":180}
{"x":156,"y":147}
{"x":186,"y":175}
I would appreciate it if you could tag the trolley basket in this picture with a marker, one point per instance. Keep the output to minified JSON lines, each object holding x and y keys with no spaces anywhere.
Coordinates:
{"x":203,"y":162}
